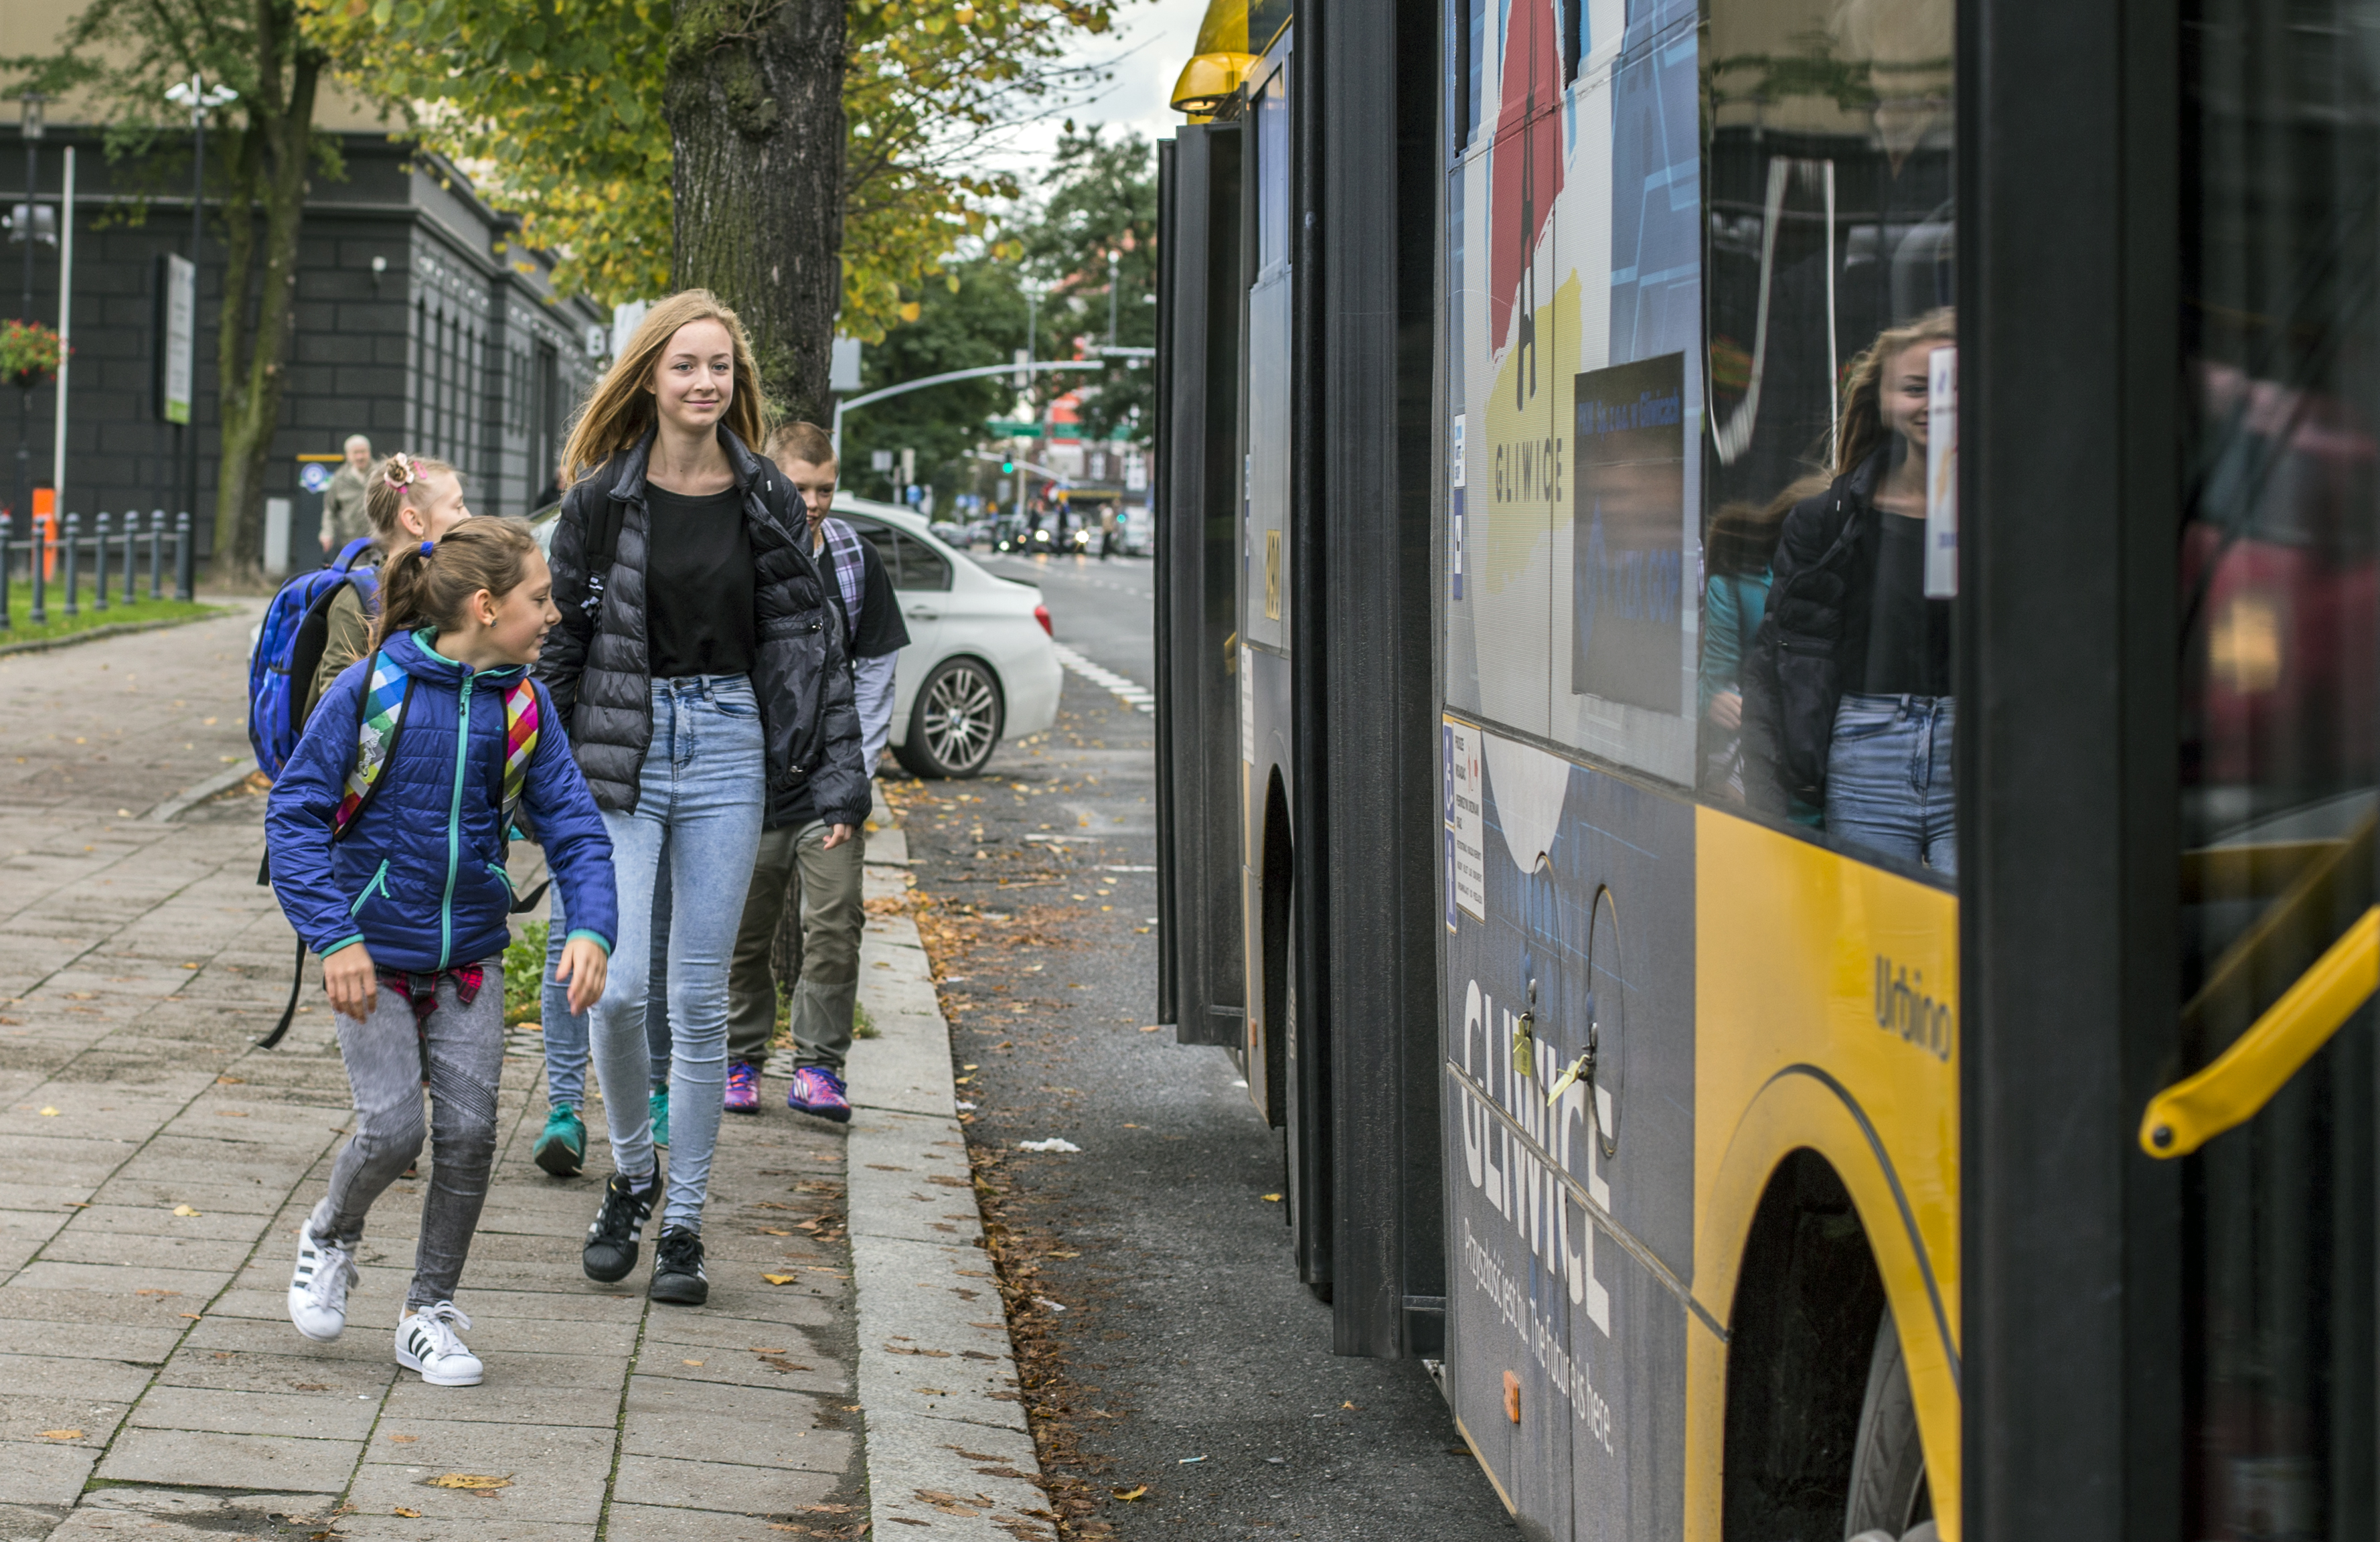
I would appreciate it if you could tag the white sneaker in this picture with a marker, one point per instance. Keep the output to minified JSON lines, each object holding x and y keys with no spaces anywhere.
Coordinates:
{"x":318,"y":1286}
{"x":426,"y":1343}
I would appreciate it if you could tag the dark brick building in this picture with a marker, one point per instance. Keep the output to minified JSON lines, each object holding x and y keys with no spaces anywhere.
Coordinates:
{"x":420,"y":323}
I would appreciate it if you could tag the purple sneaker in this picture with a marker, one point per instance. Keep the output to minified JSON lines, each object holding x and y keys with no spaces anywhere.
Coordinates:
{"x":819,"y":1090}
{"x":742,"y":1087}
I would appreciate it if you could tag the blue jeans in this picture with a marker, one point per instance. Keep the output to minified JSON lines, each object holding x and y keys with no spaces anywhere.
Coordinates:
{"x":1889,"y":778}
{"x":699,"y":799}
{"x":566,"y":1031}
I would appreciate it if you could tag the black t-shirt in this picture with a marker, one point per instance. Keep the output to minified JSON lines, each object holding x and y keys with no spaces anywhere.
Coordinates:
{"x":1908,"y":634}
{"x":698,"y":585}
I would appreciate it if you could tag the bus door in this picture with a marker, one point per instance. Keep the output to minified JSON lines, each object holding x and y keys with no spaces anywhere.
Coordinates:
{"x":2278,"y":585}
{"x":1199,"y":975}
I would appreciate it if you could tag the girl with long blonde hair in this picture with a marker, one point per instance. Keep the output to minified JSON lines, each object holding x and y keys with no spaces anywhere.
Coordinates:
{"x":697,"y":664}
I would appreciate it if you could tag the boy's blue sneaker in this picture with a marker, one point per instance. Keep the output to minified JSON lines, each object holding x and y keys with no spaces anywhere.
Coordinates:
{"x":819,"y":1091}
{"x":562,"y":1150}
{"x":657,"y":1107}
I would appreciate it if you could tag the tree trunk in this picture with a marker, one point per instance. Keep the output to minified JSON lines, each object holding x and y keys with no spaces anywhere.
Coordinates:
{"x":260,"y":280}
{"x":755,"y":107}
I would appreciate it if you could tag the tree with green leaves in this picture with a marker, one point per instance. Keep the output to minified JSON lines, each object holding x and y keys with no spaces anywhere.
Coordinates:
{"x":974,"y":315}
{"x":1101,"y":197}
{"x":650,"y":178}
{"x":123,"y":55}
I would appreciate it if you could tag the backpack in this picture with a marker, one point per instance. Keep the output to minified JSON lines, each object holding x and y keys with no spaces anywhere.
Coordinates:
{"x":289,"y":648}
{"x":379,"y":715}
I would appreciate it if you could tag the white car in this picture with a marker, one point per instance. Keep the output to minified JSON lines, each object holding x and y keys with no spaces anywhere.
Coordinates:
{"x":980,"y":664}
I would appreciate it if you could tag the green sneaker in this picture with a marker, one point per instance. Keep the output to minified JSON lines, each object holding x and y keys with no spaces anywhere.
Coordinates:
{"x":658,"y":1108}
{"x":562,"y":1150}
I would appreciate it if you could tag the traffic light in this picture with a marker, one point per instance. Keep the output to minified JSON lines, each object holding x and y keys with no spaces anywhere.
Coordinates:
{"x":1008,"y":467}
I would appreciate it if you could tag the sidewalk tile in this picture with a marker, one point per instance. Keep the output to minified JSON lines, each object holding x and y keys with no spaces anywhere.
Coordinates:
{"x":281,"y":1464}
{"x":28,"y":1417}
{"x":637,"y":1522}
{"x":34,"y":1335}
{"x":721,"y":1486}
{"x":63,"y":1376}
{"x":520,"y":1390}
{"x":385,"y":1527}
{"x":247,"y":1372}
{"x":42,"y":1472}
{"x":323,"y":1415}
{"x":118,"y":1279}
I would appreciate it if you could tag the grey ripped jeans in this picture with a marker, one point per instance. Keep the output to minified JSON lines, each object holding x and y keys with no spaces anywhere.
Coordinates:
{"x":459,"y":1050}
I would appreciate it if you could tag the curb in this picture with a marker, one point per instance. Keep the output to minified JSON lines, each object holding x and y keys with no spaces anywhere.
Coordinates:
{"x":198,"y":792}
{"x":948,"y":1449}
{"x":100,"y":634}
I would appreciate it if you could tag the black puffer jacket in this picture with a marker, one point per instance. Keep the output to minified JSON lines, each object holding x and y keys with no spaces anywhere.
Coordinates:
{"x":595,"y":665}
{"x":1812,"y":638}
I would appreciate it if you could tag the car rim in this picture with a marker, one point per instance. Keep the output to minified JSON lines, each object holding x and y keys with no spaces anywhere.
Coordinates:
{"x":960,"y":711}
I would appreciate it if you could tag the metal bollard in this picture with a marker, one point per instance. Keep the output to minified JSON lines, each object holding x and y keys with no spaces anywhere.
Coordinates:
{"x":185,"y":576}
{"x":41,"y":554}
{"x":156,"y":544}
{"x":131,"y":520}
{"x":98,"y":565}
{"x":74,"y":541}
{"x":8,"y":567}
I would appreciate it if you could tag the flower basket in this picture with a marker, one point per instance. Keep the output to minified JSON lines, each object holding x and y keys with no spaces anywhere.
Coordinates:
{"x":30,"y":352}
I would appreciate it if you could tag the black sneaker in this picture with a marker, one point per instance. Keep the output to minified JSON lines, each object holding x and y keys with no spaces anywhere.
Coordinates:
{"x":612,"y":1241}
{"x":677,"y":1270}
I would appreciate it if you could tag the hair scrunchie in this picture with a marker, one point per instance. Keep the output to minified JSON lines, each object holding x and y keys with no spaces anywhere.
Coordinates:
{"x":402,"y":473}
{"x":428,"y":546}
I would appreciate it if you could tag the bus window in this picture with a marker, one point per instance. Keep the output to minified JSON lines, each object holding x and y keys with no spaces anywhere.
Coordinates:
{"x":1822,"y":689}
{"x":2280,"y":158}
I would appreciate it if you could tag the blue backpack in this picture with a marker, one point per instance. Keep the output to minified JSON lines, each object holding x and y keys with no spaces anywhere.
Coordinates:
{"x":289,"y":647}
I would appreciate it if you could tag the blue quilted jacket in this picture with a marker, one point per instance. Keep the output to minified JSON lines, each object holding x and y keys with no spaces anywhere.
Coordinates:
{"x":419,"y":878}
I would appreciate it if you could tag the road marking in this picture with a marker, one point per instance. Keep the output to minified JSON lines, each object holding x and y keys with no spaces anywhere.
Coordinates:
{"x":1131,"y":693}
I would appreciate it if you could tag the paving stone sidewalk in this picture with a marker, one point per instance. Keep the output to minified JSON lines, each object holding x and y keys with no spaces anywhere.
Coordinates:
{"x":155,"y":1167}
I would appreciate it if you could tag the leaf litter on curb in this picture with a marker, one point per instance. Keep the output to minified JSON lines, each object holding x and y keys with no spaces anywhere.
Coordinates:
{"x":469,"y":1480}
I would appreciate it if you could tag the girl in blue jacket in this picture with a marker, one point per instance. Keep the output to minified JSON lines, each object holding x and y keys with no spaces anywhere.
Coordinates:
{"x":386,"y":833}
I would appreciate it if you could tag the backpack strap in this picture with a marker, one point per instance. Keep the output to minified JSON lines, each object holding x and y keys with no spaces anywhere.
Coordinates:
{"x":850,"y":572}
{"x":379,"y":716}
{"x":524,"y":713}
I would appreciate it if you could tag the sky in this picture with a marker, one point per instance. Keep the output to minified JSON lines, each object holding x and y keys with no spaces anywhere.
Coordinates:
{"x":1151,"y":43}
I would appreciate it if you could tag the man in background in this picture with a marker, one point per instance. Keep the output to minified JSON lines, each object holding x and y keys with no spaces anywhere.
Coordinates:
{"x":343,"y":502}
{"x":792,"y":839}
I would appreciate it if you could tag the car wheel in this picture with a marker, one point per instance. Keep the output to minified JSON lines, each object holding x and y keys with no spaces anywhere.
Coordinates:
{"x":956,"y":724}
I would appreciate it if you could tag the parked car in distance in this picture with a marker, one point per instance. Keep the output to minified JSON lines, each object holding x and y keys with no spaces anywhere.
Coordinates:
{"x":980,"y":664}
{"x":950,"y":534}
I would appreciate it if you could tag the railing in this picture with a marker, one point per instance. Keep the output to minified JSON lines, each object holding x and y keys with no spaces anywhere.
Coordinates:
{"x":61,"y":545}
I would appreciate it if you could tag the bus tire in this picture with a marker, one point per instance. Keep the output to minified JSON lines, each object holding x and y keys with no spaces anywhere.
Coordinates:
{"x":1888,"y":1463}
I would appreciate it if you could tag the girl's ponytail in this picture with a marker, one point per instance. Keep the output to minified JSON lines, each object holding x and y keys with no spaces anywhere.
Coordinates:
{"x":428,"y":583}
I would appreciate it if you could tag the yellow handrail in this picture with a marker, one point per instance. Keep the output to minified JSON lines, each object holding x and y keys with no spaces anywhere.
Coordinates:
{"x":2242,"y":1079}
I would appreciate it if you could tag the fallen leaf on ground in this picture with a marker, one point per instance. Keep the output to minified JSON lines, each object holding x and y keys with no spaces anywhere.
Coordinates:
{"x":773,"y":1231}
{"x":403,"y":1440}
{"x":185,"y":1210}
{"x":231,"y":1081}
{"x":758,"y":1349}
{"x":192,"y":1316}
{"x":689,"y":1362}
{"x":1346,"y":1405}
{"x":49,"y":1114}
{"x":409,"y":1514}
{"x":1128,"y":1495}
{"x":469,"y":1480}
{"x":781,"y":1278}
{"x":1153,"y":1028}
{"x":62,"y":1435}
{"x":156,"y":1292}
{"x":1272,"y":1199}
{"x":231,"y":1113}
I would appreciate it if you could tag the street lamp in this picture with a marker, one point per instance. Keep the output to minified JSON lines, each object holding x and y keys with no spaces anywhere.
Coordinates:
{"x":200,"y":99}
{"x":24,"y":229}
{"x":1114,"y":257}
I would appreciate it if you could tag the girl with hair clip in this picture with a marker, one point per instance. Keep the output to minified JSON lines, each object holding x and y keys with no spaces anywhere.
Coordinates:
{"x":700,"y":666}
{"x":407,"y":499}
{"x":1847,"y":703}
{"x":387,"y":836}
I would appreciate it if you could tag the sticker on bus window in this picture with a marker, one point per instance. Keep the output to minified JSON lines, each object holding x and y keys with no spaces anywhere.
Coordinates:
{"x":1942,"y":474}
{"x":1466,"y":856}
{"x":1627,"y":533}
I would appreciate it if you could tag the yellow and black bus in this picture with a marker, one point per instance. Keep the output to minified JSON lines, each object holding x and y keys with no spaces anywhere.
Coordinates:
{"x":1768,"y":634}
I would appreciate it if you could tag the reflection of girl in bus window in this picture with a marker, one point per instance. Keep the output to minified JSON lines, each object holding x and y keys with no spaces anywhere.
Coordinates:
{"x":1735,"y":596}
{"x":1847,"y":692}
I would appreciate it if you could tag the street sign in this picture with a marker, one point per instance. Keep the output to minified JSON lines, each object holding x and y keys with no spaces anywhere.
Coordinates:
{"x":314,"y":476}
{"x":1008,"y":428}
{"x":181,"y":326}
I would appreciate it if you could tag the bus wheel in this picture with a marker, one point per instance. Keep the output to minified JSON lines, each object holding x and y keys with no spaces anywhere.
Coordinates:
{"x":1889,"y":1500}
